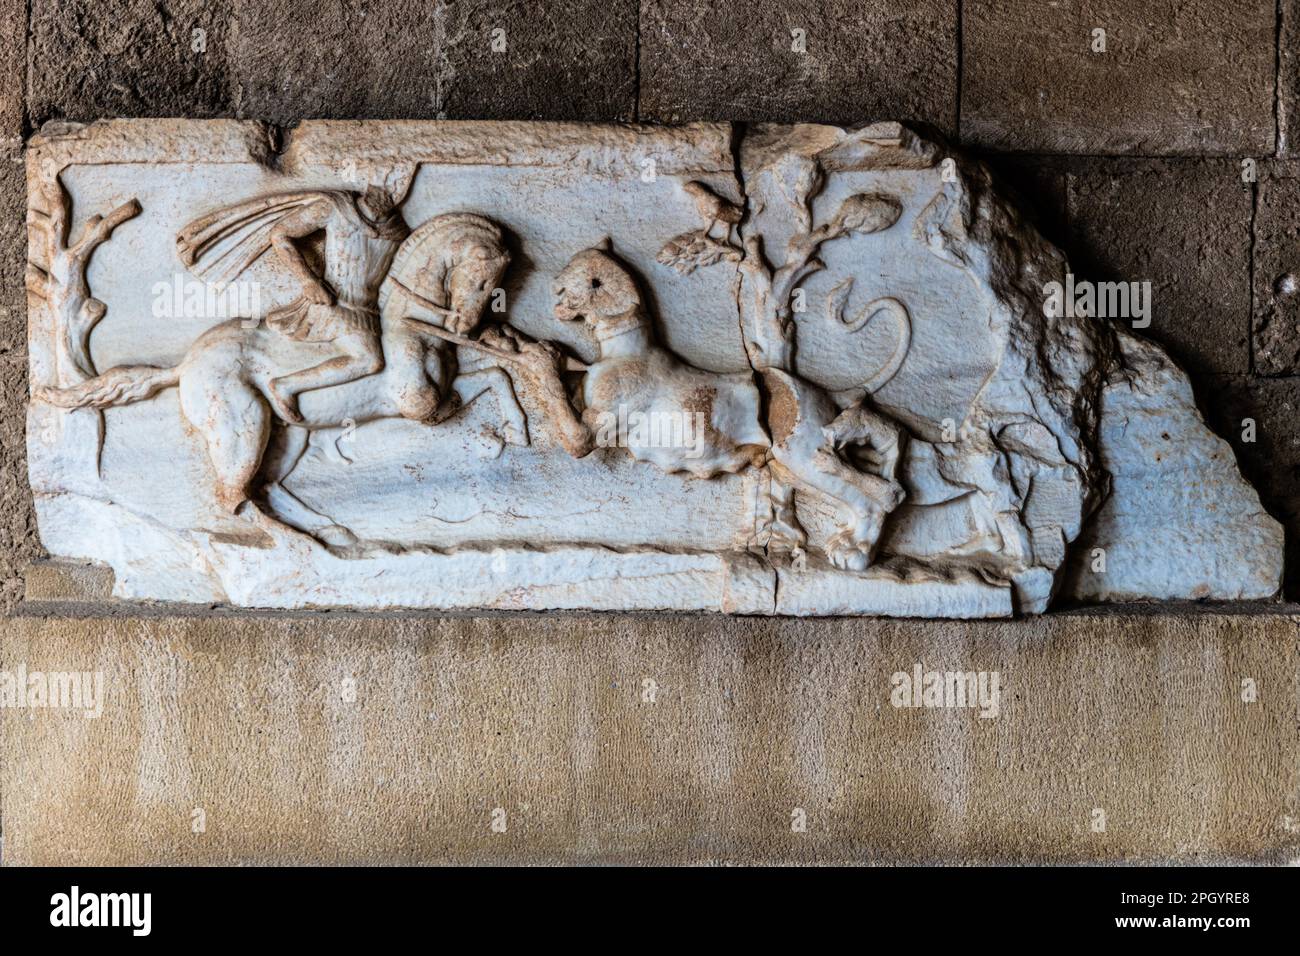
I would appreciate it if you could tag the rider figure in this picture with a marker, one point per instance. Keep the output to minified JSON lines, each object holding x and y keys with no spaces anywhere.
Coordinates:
{"x":362,"y":233}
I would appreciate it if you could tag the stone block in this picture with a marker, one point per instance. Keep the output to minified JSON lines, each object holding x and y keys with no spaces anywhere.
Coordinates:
{"x":1276,"y":320}
{"x":90,"y":59}
{"x":862,"y":61}
{"x":18,"y":538}
{"x":1175,"y":78}
{"x":310,"y":739}
{"x":1040,"y":188}
{"x":19,"y":542}
{"x":13,"y":71}
{"x":413,"y":60}
{"x":1288,"y":78}
{"x":49,"y":581}
{"x":1184,"y":227}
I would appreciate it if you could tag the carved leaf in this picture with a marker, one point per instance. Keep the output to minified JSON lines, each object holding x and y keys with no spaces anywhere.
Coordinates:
{"x":866,"y":213}
{"x":695,"y":250}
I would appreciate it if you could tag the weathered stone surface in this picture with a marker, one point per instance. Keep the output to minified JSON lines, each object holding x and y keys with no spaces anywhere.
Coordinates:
{"x":346,"y":440}
{"x":1288,"y":79}
{"x":67,"y":581}
{"x":863,"y":61}
{"x":1258,"y":416}
{"x":1176,"y":78}
{"x":13,"y":256}
{"x":411,"y":60}
{"x":18,"y":537}
{"x":1040,"y":187}
{"x":681,"y":739}
{"x":13,"y":71}
{"x":90,"y":59}
{"x":1183,"y":226}
{"x":1276,"y":342}
{"x":18,"y":540}
{"x":1165,"y":465}
{"x":288,"y":60}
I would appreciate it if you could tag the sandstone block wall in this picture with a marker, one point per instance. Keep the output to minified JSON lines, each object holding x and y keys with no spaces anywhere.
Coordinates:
{"x":566,"y":738}
{"x":1129,"y":158}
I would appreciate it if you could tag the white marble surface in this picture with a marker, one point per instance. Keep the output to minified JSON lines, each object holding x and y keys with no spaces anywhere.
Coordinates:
{"x":1003,"y":443}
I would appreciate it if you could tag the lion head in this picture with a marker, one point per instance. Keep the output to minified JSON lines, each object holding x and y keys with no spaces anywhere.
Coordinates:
{"x":596,"y":288}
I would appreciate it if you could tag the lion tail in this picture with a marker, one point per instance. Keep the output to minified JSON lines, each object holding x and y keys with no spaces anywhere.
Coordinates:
{"x":896,"y":312}
{"x":118,"y":386}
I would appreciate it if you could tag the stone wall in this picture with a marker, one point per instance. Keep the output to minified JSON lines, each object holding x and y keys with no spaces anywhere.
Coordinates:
{"x":289,"y":739}
{"x":1130,"y":159}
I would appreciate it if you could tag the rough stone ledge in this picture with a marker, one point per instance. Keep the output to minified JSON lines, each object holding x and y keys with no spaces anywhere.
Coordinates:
{"x":65,"y":588}
{"x":245,"y":716}
{"x":109,"y":607}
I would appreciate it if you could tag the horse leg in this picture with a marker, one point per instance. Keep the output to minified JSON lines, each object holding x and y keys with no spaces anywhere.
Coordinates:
{"x":418,"y":371}
{"x":286,"y":448}
{"x":474,"y":384}
{"x":234,"y":421}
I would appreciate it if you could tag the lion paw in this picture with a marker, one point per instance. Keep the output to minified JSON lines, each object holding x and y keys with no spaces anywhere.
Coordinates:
{"x":848,"y":553}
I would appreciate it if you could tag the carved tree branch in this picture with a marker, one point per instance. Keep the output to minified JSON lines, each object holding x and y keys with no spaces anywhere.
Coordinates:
{"x":768,"y":323}
{"x":61,"y":281}
{"x":863,"y":213}
{"x":99,"y":229}
{"x":801,"y":262}
{"x":766,"y":337}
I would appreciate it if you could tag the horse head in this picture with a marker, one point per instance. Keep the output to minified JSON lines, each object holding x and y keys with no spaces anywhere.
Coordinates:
{"x":598,"y":289}
{"x":456,"y":260}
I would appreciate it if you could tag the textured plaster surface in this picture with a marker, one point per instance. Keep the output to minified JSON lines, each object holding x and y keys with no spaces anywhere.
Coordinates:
{"x":667,"y":739}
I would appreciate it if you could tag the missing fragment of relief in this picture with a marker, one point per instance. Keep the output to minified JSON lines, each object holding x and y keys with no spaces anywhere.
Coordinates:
{"x":538,"y":366}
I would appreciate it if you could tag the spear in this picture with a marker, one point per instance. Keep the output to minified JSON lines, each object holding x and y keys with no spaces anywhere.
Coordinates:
{"x":571,"y":364}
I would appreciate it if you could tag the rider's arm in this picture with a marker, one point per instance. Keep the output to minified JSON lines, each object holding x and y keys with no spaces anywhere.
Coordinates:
{"x":299,"y":225}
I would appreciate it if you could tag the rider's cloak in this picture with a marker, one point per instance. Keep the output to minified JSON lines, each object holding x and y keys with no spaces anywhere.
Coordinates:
{"x":219,"y":246}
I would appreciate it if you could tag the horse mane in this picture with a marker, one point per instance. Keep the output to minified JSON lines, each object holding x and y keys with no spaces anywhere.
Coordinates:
{"x":437,"y":247}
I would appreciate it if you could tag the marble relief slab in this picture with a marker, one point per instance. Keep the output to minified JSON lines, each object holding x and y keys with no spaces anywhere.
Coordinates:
{"x":457,"y":365}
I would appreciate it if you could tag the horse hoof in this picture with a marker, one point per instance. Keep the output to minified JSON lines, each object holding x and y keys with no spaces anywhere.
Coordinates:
{"x":854,"y":560}
{"x":849,"y":555}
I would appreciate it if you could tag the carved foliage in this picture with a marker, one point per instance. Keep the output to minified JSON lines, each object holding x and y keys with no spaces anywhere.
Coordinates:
{"x":59,"y":277}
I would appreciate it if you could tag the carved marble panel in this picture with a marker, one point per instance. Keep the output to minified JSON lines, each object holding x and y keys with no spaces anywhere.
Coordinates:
{"x":802,"y":370}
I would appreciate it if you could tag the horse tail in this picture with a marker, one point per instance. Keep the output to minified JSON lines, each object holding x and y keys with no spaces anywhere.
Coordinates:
{"x":118,"y":386}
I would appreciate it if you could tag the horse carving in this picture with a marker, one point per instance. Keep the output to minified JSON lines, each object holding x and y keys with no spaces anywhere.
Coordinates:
{"x":229,"y":381}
